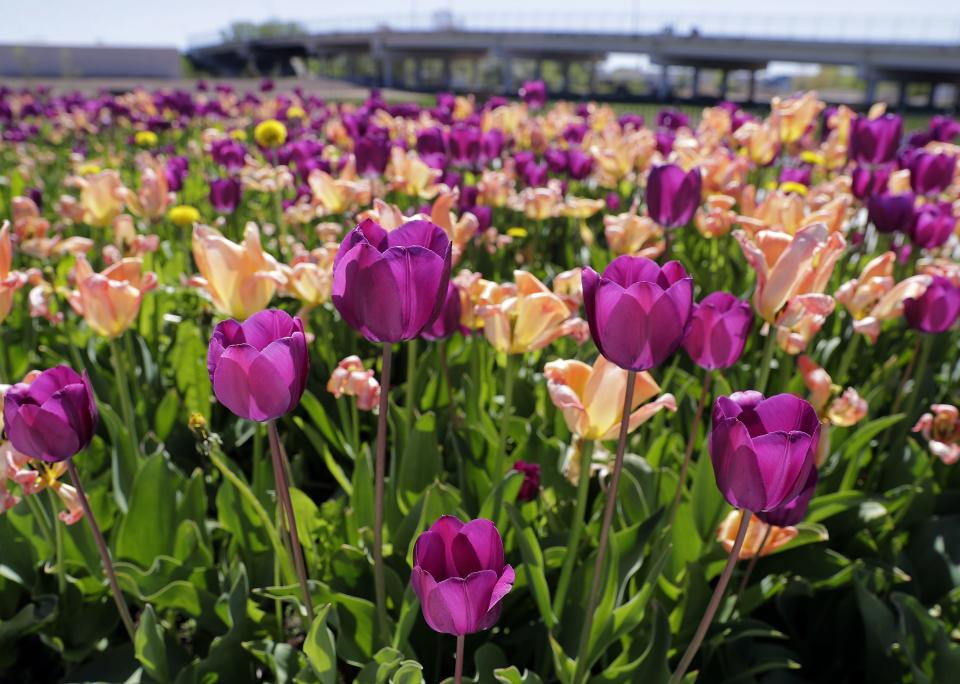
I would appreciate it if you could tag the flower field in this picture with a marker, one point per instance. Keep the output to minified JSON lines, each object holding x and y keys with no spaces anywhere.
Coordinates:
{"x":502,"y":391}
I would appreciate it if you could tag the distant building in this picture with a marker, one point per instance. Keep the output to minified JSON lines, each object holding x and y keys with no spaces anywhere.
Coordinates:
{"x":61,"y":61}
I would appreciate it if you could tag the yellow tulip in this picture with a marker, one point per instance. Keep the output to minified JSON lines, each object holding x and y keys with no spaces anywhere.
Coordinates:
{"x":102,"y":198}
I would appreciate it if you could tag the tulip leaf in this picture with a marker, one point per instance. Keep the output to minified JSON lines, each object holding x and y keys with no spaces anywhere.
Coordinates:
{"x":421,"y":463}
{"x":858,"y":442}
{"x":189,"y":358}
{"x":533,"y":566}
{"x":320,"y":649}
{"x":150,"y":647}
{"x":321,"y":421}
{"x":706,"y":502}
{"x":124,"y":461}
{"x":316,"y":441}
{"x":564,"y":666}
{"x":149,"y":528}
{"x":511,"y":675}
{"x":507,"y":490}
{"x":362,"y":499}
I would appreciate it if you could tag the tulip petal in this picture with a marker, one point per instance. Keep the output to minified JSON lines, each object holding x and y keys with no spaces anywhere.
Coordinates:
{"x":458,"y":605}
{"x":263,"y":327}
{"x":478,"y":546}
{"x":46,"y":431}
{"x":786,"y":413}
{"x":276,"y":372}
{"x":735,"y":466}
{"x":785,"y":460}
{"x":430,"y":554}
{"x":231,"y":380}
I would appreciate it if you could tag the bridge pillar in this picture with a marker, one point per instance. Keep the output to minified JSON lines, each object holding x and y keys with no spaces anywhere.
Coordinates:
{"x":507,"y":75}
{"x":695,"y":84}
{"x":870,"y":93}
{"x":537,"y":69}
{"x":386,"y":71}
{"x":567,"y":67}
{"x":932,"y":97}
{"x":593,"y":79}
{"x":663,"y":88}
{"x":417,"y":73}
{"x":724,"y":81}
{"x":752,"y":87}
{"x":447,"y":71}
{"x":902,"y":94}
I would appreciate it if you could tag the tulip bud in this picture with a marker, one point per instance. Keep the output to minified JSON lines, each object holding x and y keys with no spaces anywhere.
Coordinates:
{"x":718,"y":330}
{"x":52,"y":418}
{"x":638,"y":311}
{"x":672,"y":195}
{"x":390,"y":286}
{"x":762,"y":449}
{"x":933,"y":225}
{"x":891,"y":213}
{"x":875,"y":141}
{"x":225,"y":194}
{"x":930,"y":173}
{"x":459,"y":575}
{"x":259,"y":368}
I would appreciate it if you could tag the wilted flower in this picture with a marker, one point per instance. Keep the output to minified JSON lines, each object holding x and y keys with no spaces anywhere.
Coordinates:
{"x":847,"y":409}
{"x":801,"y":320}
{"x":350,"y":378}
{"x":941,"y":429}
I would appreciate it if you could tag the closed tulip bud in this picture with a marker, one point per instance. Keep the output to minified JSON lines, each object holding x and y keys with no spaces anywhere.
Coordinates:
{"x":638,"y":311}
{"x":531,"y":480}
{"x":933,"y":225}
{"x":225,"y":194}
{"x":875,"y":141}
{"x":448,"y":322}
{"x":795,"y":511}
{"x":891,"y":213}
{"x":390,"y":286}
{"x":936,"y":309}
{"x":718,"y":330}
{"x":931,"y":173}
{"x":259,"y":368}
{"x":459,"y":575}
{"x":52,"y":418}
{"x":762,"y":449}
{"x":673,"y":194}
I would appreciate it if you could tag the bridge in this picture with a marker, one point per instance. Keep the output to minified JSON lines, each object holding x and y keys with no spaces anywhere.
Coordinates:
{"x":396,"y":52}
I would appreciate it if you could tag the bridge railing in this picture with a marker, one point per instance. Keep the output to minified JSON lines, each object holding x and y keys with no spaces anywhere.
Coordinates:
{"x":880,"y":28}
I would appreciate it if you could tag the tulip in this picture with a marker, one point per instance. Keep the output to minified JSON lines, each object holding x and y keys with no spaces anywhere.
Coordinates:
{"x":259,"y":368}
{"x":931,"y":173}
{"x":527,"y":317}
{"x":936,"y":309}
{"x":867,"y":182}
{"x":151,"y":200}
{"x":629,"y":233}
{"x":875,"y":141}
{"x":241,"y":279}
{"x":183,"y":215}
{"x":448,"y":322}
{"x":592,"y":397}
{"x":431,"y":141}
{"x":109,"y":301}
{"x":762,"y":449}
{"x":411,"y":176}
{"x":801,"y":320}
{"x":672,"y":195}
{"x":891,"y":213}
{"x":372,"y":153}
{"x":52,"y":418}
{"x":309,"y":277}
{"x":530,"y":487}
{"x":10,"y":281}
{"x":390,"y":286}
{"x":792,"y":512}
{"x":761,"y":539}
{"x":795,"y":115}
{"x":225,"y":195}
{"x":941,"y":429}
{"x":719,"y":327}
{"x":464,"y":144}
{"x":638,"y":312}
{"x":933,"y":224}
{"x":534,"y":93}
{"x":460,"y":576}
{"x":350,"y":378}
{"x":101,"y":197}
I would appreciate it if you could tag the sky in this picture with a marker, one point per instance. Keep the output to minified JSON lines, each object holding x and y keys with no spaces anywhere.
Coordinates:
{"x":177,"y":22}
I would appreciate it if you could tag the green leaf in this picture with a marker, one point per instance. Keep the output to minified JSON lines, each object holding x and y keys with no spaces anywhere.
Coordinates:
{"x":507,"y":489}
{"x":320,"y":649}
{"x":858,"y":443}
{"x":421,"y":464}
{"x":149,"y":528}
{"x":188,"y":356}
{"x":151,"y":651}
{"x":533,"y":566}
{"x":124,"y":462}
{"x":28,"y":620}
{"x":706,"y":501}
{"x":511,"y":675}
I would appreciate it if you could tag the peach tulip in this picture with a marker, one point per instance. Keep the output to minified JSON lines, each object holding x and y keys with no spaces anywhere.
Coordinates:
{"x":460,"y":230}
{"x":10,"y":281}
{"x":410,"y":175}
{"x":151,"y":200}
{"x":240,"y":279}
{"x":527,"y":316}
{"x":795,"y":115}
{"x":847,"y":409}
{"x":874,"y":298}
{"x":309,"y":277}
{"x":591,"y":397}
{"x":716,"y":218}
{"x":756,"y":530}
{"x":350,"y":378}
{"x":629,"y":233}
{"x":941,"y":429}
{"x":109,"y":301}
{"x":336,"y":196}
{"x":801,"y":320}
{"x":101,"y":196}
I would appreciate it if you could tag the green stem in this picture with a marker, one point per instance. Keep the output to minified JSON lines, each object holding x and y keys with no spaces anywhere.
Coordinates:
{"x":43,"y":521}
{"x":104,"y":553}
{"x":691,"y":442}
{"x":58,"y":545}
{"x":583,"y":652}
{"x":509,"y":370}
{"x":458,"y":670}
{"x":126,"y":404}
{"x":849,"y":353}
{"x":379,"y":580}
{"x":411,"y":388}
{"x":768,"y":347}
{"x":714,"y":602}
{"x":753,"y":562}
{"x":576,"y":526}
{"x":247,"y":494}
{"x":280,"y":468}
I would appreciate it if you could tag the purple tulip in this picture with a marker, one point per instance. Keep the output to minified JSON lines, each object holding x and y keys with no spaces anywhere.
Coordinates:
{"x":763,"y":449}
{"x":796,"y":174}
{"x":579,"y":164}
{"x":534,"y":93}
{"x":484,"y":215}
{"x":464,"y":144}
{"x":372,"y":152}
{"x":869,"y":181}
{"x":933,"y":225}
{"x":930,"y":173}
{"x":535,"y":175}
{"x":631,"y":121}
{"x":665,"y":140}
{"x":448,"y":322}
{"x":875,"y":141}
{"x":672,"y":194}
{"x":259,"y":368}
{"x":575,"y":132}
{"x":459,"y":575}
{"x":891,"y":213}
{"x":491,"y":144}
{"x":530,"y":487}
{"x":672,"y":119}
{"x":390,"y":286}
{"x":613,"y":201}
{"x":228,"y":153}
{"x":176,"y":171}
{"x":446,"y":101}
{"x":936,"y":309}
{"x":638,"y":312}
{"x":431,"y":141}
{"x":225,"y":194}
{"x":794,"y":512}
{"x":943,"y":128}
{"x":718,"y":330}
{"x":556,"y":159}
{"x":52,"y":418}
